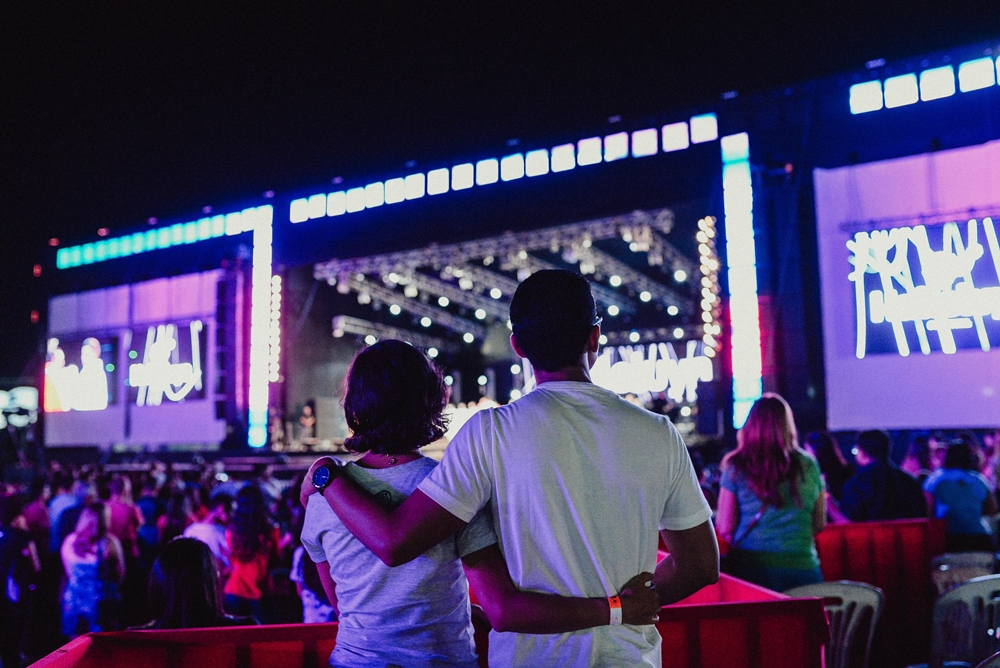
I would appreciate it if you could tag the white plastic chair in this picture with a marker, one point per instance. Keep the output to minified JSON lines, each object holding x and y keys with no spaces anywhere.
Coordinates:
{"x":853,"y":609}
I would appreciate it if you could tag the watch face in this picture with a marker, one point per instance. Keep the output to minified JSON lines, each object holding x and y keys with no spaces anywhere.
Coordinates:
{"x":321,"y":477}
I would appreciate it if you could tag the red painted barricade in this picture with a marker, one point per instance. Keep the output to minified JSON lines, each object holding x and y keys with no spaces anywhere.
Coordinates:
{"x":731,"y":623}
{"x":896,"y":557}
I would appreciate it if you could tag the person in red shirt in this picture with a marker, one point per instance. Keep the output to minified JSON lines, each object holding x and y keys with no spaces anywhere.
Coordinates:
{"x":253,"y":543}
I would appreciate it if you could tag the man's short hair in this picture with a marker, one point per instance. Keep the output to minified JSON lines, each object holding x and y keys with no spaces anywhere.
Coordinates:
{"x":551,"y":315}
{"x":874,"y":443}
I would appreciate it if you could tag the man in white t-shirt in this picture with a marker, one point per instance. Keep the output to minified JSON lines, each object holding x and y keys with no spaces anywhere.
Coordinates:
{"x":579,"y":483}
{"x":212,"y":529}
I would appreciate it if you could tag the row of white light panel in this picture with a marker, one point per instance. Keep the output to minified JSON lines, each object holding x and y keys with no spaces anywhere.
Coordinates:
{"x":589,"y":151}
{"x":741,"y":260}
{"x":933,"y":84}
{"x":260,"y":322}
{"x":274,"y":336}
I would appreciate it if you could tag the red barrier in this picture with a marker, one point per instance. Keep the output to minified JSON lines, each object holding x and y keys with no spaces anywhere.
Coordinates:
{"x":896,"y":557}
{"x":731,"y":624}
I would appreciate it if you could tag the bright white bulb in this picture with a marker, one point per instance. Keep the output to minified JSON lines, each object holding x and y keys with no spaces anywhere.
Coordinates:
{"x":672,"y":310}
{"x":371,"y":340}
{"x":603,"y":340}
{"x":496,"y":293}
{"x":480,"y":314}
{"x":425,"y":322}
{"x":612,"y":310}
{"x":432,"y":352}
{"x":448,"y":380}
{"x":678,"y":332}
{"x":680,"y":275}
{"x":645,"y":296}
{"x":443,"y":301}
{"x":395,"y":310}
{"x":482,"y":380}
{"x":468,"y":338}
{"x":633,"y":337}
{"x":515,"y":369}
{"x":615,"y":281}
{"x":685,"y":411}
{"x":515,"y":394}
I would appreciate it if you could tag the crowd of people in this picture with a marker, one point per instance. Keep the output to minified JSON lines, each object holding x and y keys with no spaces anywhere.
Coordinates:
{"x":550,"y":510}
{"x":83,"y":553}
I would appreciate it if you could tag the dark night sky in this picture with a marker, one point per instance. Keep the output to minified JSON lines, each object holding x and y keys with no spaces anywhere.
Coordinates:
{"x":114,"y":112}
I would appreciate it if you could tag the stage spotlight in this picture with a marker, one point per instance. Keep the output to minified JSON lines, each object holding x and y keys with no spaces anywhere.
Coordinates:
{"x":675,"y":137}
{"x":432,"y":352}
{"x":536,"y":163}
{"x":496,"y":293}
{"x":374,"y":195}
{"x":704,"y":128}
{"x":603,"y":340}
{"x":680,"y":276}
{"x":678,"y":333}
{"x":462,"y":176}
{"x":672,"y":310}
{"x":901,"y":90}
{"x":644,"y":143}
{"x":437,"y":181}
{"x":615,"y":281}
{"x":482,"y":380}
{"x":866,"y":97}
{"x":976,"y":74}
{"x":616,"y":146}
{"x":395,"y":191}
{"x":443,"y":301}
{"x":371,"y":340}
{"x":633,"y":336}
{"x":480,"y":314}
{"x":645,"y":296}
{"x":515,"y":394}
{"x":613,"y":310}
{"x":512,"y":167}
{"x":563,"y":157}
{"x":588,"y":151}
{"x":425,"y":322}
{"x":468,"y":338}
{"x":355,"y":200}
{"x":487,"y":172}
{"x":394,"y":309}
{"x":515,"y":369}
{"x":414,"y":186}
{"x":937,"y":83}
{"x":685,"y":411}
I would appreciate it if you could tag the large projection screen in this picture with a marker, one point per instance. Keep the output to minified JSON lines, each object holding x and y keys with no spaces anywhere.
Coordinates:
{"x":910,"y":288}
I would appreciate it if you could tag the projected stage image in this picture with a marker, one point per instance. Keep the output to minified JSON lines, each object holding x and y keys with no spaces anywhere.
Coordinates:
{"x":910,"y":271}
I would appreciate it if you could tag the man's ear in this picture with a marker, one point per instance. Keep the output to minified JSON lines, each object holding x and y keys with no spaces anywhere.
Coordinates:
{"x":594,"y":340}
{"x":517,"y":348}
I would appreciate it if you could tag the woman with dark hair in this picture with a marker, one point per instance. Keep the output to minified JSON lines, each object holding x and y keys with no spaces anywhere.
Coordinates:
{"x":832,"y":463}
{"x":960,"y":494}
{"x":253,"y":544}
{"x":420,"y":610}
{"x":184,"y":589}
{"x":95,"y":568}
{"x":772,"y":502}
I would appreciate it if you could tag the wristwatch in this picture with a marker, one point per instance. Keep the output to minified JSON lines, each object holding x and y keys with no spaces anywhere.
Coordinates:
{"x":323,"y":476}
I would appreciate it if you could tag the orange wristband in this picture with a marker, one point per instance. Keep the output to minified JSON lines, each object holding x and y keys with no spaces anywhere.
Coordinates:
{"x":615,"y":604}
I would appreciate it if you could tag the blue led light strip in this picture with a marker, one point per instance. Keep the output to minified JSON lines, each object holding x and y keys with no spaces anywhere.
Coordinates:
{"x":741,"y":260}
{"x":931,"y":84}
{"x":562,"y":158}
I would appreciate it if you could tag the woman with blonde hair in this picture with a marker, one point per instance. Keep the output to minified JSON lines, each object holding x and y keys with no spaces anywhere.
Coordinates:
{"x":772,"y":502}
{"x":95,"y":568}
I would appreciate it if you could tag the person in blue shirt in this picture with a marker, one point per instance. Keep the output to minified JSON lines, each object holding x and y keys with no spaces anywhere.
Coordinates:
{"x":961,"y":495}
{"x":880,"y":490}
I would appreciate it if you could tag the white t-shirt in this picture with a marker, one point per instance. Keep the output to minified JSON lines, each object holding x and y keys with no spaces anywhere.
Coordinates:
{"x":578,"y":482}
{"x":415,"y":615}
{"x":213,"y":535}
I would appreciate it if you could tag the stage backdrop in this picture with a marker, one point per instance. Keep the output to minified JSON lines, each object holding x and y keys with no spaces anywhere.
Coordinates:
{"x":134,"y":365}
{"x":910,"y":274}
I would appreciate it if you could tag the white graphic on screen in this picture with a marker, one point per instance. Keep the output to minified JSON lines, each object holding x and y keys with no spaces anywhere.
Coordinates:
{"x":157,"y":376}
{"x":938,"y":299}
{"x":653,"y":369}
{"x":71,"y":387}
